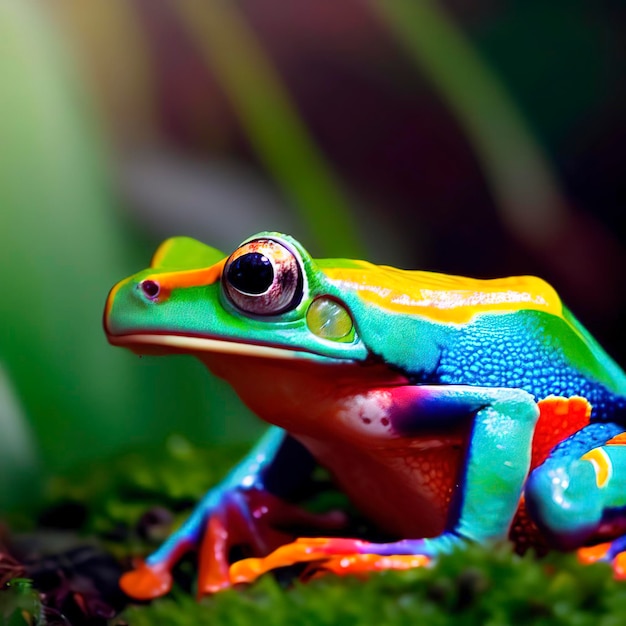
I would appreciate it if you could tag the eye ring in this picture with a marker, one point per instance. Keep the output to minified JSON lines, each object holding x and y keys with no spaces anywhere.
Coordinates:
{"x":263,"y":277}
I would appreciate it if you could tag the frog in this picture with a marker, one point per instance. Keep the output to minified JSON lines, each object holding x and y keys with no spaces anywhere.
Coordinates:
{"x":450,"y":410}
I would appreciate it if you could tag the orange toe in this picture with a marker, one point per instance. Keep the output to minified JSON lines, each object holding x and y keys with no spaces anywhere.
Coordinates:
{"x":592,"y":554}
{"x":146,"y":582}
{"x":299,"y":551}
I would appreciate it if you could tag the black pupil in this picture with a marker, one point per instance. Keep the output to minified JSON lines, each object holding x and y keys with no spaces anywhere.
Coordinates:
{"x":251,"y":273}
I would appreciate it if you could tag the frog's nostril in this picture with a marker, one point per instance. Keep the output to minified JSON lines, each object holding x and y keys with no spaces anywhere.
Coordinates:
{"x":150,"y":288}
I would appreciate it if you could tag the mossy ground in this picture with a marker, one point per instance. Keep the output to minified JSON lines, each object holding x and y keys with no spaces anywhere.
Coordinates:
{"x":475,"y":586}
{"x":129,"y":504}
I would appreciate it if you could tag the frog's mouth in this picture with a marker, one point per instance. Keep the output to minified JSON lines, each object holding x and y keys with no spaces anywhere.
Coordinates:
{"x":157,"y":344}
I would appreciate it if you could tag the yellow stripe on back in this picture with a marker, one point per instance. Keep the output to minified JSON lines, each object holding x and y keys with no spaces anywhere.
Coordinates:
{"x":441,"y":297}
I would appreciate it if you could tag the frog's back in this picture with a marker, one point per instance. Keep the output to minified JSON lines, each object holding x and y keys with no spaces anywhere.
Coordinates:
{"x":541,"y":353}
{"x":510,"y":332}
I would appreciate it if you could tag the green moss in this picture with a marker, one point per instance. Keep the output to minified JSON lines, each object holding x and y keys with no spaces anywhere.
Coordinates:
{"x":117,"y":494}
{"x":473,"y":586}
{"x":477,"y":585}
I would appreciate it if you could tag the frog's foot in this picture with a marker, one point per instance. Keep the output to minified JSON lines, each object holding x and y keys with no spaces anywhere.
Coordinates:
{"x":613,"y":552}
{"x":339,"y":556}
{"x":146,"y":581}
{"x":251,"y":521}
{"x":577,"y":493}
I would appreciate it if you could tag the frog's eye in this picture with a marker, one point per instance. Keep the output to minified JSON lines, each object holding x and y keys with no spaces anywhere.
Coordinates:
{"x":263,"y":277}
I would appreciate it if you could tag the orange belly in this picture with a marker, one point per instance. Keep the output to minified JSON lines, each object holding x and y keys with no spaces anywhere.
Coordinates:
{"x":405,"y":488}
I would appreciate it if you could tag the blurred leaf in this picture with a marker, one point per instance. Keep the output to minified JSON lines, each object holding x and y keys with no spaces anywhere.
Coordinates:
{"x":556,"y":59}
{"x":18,"y":456}
{"x":61,"y":250}
{"x":216,"y":201}
{"x":63,"y":247}
{"x":518,"y":172}
{"x":272,"y":124}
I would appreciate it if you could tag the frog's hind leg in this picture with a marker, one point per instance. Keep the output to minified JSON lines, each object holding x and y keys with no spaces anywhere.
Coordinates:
{"x":579,"y":493}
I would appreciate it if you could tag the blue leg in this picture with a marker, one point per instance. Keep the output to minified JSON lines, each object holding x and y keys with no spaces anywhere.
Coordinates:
{"x":249,"y":473}
{"x":272,"y":469}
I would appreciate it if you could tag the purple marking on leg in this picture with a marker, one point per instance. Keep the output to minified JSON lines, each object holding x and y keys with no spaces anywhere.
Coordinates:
{"x":405,"y":546}
{"x":416,"y":409}
{"x":617,"y":546}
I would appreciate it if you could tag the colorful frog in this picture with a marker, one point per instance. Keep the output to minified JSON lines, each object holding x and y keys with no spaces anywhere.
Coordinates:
{"x":448,"y":409}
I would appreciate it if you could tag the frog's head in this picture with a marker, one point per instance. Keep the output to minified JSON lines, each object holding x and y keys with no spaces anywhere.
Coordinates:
{"x":269,"y":298}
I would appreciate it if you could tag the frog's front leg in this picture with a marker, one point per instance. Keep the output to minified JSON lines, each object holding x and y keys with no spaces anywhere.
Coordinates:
{"x":241,"y":510}
{"x":496,"y":466}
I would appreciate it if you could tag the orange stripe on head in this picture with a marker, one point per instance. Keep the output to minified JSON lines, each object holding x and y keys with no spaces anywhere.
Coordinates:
{"x":168,"y":281}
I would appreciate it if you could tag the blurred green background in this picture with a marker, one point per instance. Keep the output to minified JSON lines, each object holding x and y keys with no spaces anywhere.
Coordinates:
{"x":481,"y":138}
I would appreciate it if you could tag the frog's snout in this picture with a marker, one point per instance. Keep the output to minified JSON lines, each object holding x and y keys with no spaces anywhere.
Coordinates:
{"x":109,"y":318}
